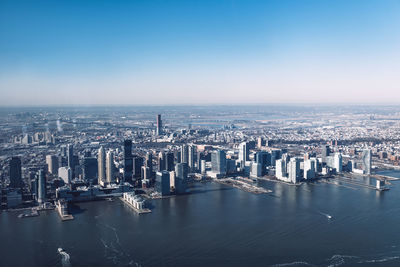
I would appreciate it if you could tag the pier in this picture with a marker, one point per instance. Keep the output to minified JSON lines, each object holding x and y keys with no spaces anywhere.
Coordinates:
{"x":245,"y":186}
{"x":62,"y":208}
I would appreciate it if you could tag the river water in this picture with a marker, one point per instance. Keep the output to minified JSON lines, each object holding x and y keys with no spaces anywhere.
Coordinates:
{"x":217,"y":225}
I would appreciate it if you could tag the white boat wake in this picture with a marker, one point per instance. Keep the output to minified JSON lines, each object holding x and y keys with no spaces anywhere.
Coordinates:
{"x":326,"y":215}
{"x":65,"y":258}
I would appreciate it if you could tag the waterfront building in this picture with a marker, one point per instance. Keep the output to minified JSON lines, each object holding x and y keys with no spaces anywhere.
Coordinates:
{"x":101,"y":163}
{"x":310,"y":168}
{"x":280,"y":169}
{"x":135,"y":200}
{"x":294,"y":170}
{"x":218,"y":162}
{"x":338,"y":162}
{"x":15,"y":173}
{"x":41,"y":187}
{"x":255,"y":170}
{"x":366,"y":160}
{"x":163,"y":183}
{"x":110,"y":167}
{"x":181,"y":172}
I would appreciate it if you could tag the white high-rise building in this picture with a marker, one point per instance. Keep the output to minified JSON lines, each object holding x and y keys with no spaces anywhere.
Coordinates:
{"x":110,"y":167}
{"x":337,"y":162}
{"x":367,"y":162}
{"x":65,"y":173}
{"x":310,"y":168}
{"x":52,"y":164}
{"x":101,"y":163}
{"x":255,"y":170}
{"x":294,"y":170}
{"x":243,"y":153}
{"x":280,"y":169}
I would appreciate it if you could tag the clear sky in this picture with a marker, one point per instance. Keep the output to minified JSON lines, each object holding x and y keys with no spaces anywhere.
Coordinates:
{"x":199,"y":52}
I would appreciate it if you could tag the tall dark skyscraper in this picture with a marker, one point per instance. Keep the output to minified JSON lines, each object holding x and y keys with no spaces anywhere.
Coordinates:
{"x":15,"y":173}
{"x":159,"y":130}
{"x":169,"y":161}
{"x":181,"y":172}
{"x":149,"y":162}
{"x":137,"y":166}
{"x":161,"y":161}
{"x":89,"y":169}
{"x":128,"y":161}
{"x":191,"y":158}
{"x":41,"y":182}
{"x":70,"y":156}
{"x":184,"y":154}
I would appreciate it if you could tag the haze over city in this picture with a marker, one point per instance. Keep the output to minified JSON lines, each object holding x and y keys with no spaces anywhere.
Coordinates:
{"x":199,"y":52}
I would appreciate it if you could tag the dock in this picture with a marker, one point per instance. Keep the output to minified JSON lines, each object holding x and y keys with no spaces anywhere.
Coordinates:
{"x":62,"y":208}
{"x":32,"y":213}
{"x":243,"y":185}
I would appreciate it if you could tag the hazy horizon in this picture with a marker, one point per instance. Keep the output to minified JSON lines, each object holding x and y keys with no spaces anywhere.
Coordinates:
{"x":73,"y":53}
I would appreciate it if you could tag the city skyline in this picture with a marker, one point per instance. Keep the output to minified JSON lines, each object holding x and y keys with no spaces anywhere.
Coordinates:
{"x":226,"y":52}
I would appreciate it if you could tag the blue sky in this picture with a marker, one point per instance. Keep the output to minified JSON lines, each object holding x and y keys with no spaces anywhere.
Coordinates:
{"x":203,"y":52}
